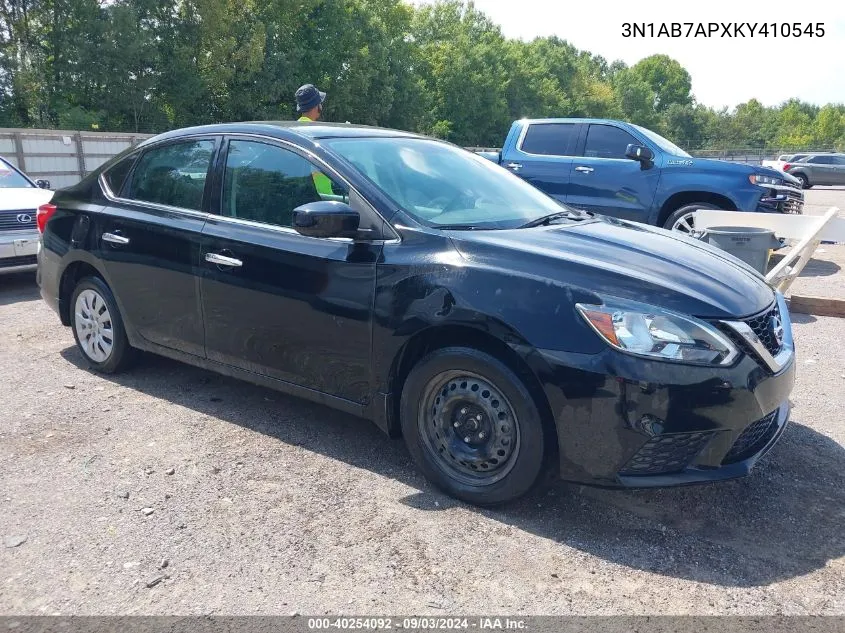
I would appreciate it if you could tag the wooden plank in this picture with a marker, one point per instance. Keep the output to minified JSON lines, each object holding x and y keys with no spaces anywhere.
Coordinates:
{"x":818,"y":306}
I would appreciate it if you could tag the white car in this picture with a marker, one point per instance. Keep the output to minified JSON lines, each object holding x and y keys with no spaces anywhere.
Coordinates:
{"x":783,"y":159}
{"x":20,"y":198}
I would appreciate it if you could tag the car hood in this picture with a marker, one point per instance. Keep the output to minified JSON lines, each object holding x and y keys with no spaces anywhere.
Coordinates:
{"x":633,"y":261}
{"x":709,"y":164}
{"x":24,"y":199}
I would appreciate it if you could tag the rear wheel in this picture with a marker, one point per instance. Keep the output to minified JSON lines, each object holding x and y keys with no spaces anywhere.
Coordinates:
{"x":98,"y":327}
{"x":683,"y":219}
{"x":805,"y":183}
{"x":472,"y":426}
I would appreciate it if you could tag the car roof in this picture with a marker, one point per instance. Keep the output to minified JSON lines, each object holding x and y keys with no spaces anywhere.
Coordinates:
{"x":290,"y":130}
{"x":575,"y":120}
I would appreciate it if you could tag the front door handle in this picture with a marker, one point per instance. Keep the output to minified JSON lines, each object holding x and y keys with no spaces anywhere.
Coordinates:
{"x":222,"y":260}
{"x":515,"y":166}
{"x":584,"y":170}
{"x":115,"y":238}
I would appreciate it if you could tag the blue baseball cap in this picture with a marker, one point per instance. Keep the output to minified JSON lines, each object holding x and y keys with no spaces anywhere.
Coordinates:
{"x":308,"y":97}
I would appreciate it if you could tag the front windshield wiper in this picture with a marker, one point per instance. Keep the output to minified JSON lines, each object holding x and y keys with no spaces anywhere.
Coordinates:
{"x":572,"y":214}
{"x":458,"y":227}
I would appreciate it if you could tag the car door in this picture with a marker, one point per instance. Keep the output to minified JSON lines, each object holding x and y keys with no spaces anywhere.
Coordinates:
{"x":149,"y":240}
{"x":838,"y":171}
{"x":605,"y":181}
{"x":278,"y":303}
{"x":543,"y":156}
{"x":821,"y":170}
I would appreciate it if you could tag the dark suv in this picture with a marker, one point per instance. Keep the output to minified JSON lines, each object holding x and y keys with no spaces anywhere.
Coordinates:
{"x":432,"y":292}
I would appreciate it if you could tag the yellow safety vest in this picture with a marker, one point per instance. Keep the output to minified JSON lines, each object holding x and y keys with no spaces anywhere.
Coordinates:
{"x":321,"y":181}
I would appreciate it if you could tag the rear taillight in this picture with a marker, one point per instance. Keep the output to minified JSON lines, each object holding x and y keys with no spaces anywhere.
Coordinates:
{"x":45,"y":212}
{"x":786,"y":166}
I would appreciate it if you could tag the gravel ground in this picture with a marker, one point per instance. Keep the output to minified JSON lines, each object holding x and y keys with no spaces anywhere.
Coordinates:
{"x":171,"y":490}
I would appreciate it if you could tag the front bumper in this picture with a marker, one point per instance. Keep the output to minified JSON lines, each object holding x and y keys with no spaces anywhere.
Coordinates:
{"x":18,"y":251}
{"x":624,"y":421}
{"x":781,"y":199}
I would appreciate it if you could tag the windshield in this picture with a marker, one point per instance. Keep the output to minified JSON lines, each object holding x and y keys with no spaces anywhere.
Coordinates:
{"x":440,"y":184}
{"x":10,"y":178}
{"x":667,"y":146}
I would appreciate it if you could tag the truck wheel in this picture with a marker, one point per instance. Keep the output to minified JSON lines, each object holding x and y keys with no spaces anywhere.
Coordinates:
{"x":805,"y":184}
{"x":472,"y":426}
{"x":683,"y":219}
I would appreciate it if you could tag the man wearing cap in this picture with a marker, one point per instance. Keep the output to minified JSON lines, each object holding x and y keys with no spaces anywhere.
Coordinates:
{"x":309,"y":104}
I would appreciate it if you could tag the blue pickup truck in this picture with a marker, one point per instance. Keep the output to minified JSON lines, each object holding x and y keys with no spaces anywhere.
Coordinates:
{"x":624,"y":170}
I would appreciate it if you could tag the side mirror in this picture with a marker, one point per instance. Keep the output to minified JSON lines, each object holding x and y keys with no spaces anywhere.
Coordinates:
{"x":640,"y":153}
{"x":327,"y":218}
{"x":42,"y":184}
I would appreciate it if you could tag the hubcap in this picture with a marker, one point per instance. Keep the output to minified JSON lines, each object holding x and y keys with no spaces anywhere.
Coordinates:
{"x":93,"y":324}
{"x":685,"y":223}
{"x":469,"y":427}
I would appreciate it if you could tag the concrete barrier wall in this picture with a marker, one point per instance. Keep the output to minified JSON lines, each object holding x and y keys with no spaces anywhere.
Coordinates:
{"x":63,"y":157}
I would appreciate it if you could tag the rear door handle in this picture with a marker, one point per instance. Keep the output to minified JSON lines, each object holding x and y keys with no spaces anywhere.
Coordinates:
{"x":115,"y":238}
{"x":584,"y":170}
{"x":515,"y":166}
{"x":222,"y":260}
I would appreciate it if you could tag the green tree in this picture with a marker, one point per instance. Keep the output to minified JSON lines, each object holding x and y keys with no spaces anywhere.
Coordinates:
{"x":669,"y":81}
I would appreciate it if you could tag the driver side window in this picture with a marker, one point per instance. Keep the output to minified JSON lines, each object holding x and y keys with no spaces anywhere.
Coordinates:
{"x":265,"y":183}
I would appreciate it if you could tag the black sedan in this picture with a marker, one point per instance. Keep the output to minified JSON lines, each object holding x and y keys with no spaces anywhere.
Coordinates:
{"x":413,"y":283}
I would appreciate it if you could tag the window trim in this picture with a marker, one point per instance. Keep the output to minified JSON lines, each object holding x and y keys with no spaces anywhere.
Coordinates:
{"x":572,"y":146}
{"x":583,"y":152}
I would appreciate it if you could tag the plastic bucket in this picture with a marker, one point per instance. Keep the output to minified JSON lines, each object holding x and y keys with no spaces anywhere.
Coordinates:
{"x":750,"y":244}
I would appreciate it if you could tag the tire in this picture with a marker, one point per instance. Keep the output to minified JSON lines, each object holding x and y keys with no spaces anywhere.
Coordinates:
{"x":92,"y":295}
{"x":676,"y":217}
{"x":458,"y":394}
{"x":805,"y":182}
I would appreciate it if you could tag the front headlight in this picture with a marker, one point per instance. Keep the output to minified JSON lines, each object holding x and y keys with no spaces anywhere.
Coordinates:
{"x":764,"y":180}
{"x":644,"y":330}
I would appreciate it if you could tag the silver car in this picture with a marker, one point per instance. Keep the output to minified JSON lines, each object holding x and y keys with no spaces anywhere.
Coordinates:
{"x":818,"y":169}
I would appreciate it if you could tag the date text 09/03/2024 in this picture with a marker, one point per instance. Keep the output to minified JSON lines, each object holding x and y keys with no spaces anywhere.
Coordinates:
{"x":723,"y":29}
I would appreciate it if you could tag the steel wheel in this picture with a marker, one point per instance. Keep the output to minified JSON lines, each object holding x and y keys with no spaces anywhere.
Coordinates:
{"x":93,"y":324}
{"x":469,"y":427}
{"x":685,"y":223}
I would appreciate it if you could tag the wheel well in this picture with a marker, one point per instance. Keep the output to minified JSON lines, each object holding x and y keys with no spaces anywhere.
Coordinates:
{"x":678,"y":200}
{"x":71,"y":276}
{"x":431,"y":339}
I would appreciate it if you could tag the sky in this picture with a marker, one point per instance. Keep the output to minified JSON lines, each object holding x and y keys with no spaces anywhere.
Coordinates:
{"x":725,"y":72}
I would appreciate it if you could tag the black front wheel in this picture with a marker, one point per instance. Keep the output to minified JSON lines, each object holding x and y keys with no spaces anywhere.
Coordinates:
{"x":472,"y":426}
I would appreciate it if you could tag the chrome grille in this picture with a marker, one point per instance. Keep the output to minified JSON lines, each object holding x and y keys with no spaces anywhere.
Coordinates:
{"x":11,"y":220}
{"x":794,"y":202}
{"x":763,"y":326}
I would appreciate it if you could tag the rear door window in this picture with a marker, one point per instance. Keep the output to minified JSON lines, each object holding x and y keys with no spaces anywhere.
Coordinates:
{"x":821,"y":160}
{"x":607,"y":141}
{"x":116,"y":175}
{"x":550,"y":139}
{"x":173,"y":175}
